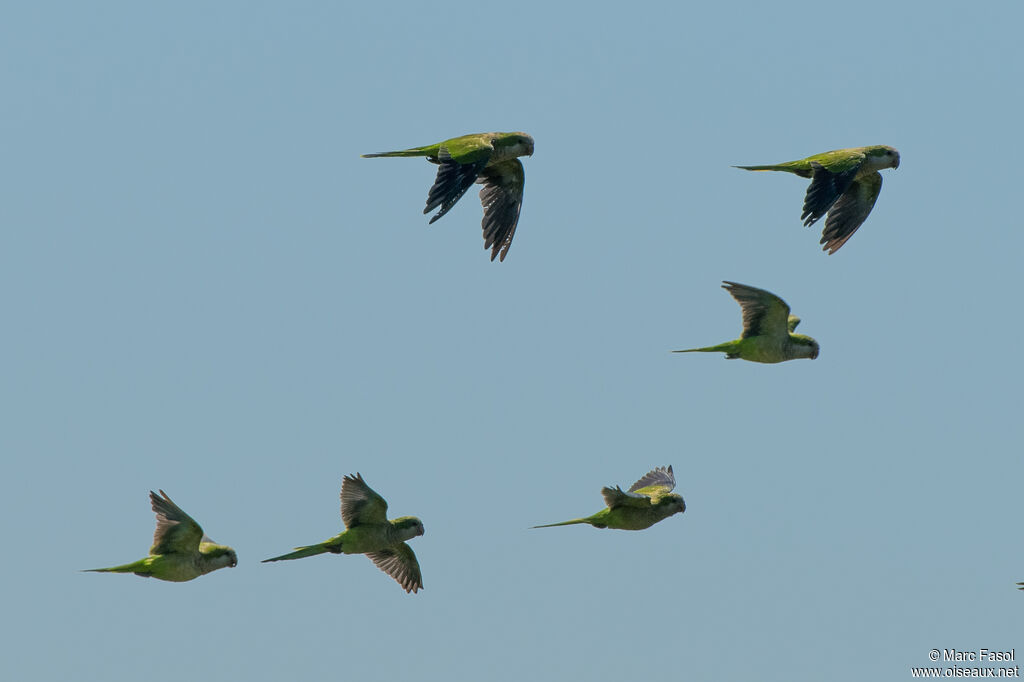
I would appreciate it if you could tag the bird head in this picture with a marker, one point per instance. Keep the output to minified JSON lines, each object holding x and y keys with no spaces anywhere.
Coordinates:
{"x":672,"y":504}
{"x":884,"y":156}
{"x":516,"y":144}
{"x":805,"y":346}
{"x":218,"y":556}
{"x":408,"y":527}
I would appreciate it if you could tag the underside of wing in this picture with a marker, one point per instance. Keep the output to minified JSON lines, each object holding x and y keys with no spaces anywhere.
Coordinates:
{"x":764,"y":313}
{"x":850,"y":211}
{"x":360,"y":504}
{"x":502,"y":198}
{"x":655,"y":483}
{"x":826,"y":187}
{"x":452,"y":181}
{"x":400,"y":563}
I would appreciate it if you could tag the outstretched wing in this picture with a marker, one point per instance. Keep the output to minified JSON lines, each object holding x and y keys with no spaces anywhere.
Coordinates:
{"x":764,"y":313}
{"x":850,"y":211}
{"x":502,"y":197}
{"x":400,"y":563}
{"x":176,"y":531}
{"x":360,"y":504}
{"x":617,"y":497}
{"x":655,"y":483}
{"x":456,"y":174}
{"x":825,"y":188}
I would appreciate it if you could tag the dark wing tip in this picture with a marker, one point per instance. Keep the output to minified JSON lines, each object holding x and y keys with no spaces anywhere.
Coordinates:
{"x":452,"y":181}
{"x":502,"y":200}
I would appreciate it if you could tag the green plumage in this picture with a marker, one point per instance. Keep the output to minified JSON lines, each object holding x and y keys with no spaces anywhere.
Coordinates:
{"x":489,"y":159}
{"x":369,"y":532}
{"x":647,"y":502}
{"x":845,"y":184}
{"x":768,"y":335}
{"x":180,"y":550}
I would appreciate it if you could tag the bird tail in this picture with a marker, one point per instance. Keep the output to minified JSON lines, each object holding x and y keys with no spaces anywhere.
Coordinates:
{"x":299,"y":553}
{"x":726,"y":347}
{"x":770,"y":167}
{"x":134,"y":567}
{"x":563,"y":523}
{"x":415,"y":151}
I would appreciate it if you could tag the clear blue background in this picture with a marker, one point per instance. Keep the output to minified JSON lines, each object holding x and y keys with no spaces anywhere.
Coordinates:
{"x":204,"y":289}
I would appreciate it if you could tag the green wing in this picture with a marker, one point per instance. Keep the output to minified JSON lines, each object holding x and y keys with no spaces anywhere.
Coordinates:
{"x":764,"y":313}
{"x":460,"y":161}
{"x":655,"y":483}
{"x":468,"y":149}
{"x":840,"y":160}
{"x":176,"y":531}
{"x":360,"y":504}
{"x":400,"y":563}
{"x":850,"y":211}
{"x":502,"y":197}
{"x":617,"y":497}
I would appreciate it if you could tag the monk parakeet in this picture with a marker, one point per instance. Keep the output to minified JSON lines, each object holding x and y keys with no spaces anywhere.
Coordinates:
{"x":647,"y":501}
{"x":486,"y":158}
{"x":364,"y":513}
{"x":844,"y":183}
{"x":767,"y":329}
{"x":180,"y":550}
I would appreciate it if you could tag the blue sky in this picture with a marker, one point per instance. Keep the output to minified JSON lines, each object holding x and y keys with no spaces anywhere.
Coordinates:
{"x":205,"y":289}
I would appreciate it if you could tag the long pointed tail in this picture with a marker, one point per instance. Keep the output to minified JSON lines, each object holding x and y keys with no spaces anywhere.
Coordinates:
{"x":563,"y":523}
{"x":726,"y":347}
{"x":415,"y":151}
{"x":299,"y":553}
{"x":770,"y":167}
{"x":134,"y":567}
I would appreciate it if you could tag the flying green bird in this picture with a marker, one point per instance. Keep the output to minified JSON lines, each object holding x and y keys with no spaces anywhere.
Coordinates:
{"x":180,"y":550}
{"x":647,"y":501}
{"x":485,"y":158}
{"x":844,"y":183}
{"x":369,"y":532}
{"x":767,"y":330}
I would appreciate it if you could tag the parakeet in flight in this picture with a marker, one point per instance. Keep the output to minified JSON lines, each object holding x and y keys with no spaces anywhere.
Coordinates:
{"x":369,"y":532}
{"x":844,"y":183}
{"x":486,"y":158}
{"x":647,"y":501}
{"x":767,"y":329}
{"x":180,"y":550}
